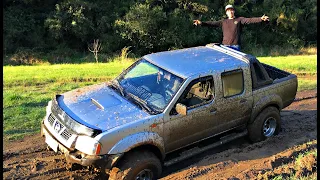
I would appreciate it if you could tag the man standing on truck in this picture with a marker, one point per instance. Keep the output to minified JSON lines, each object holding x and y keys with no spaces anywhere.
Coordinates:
{"x":231,"y":27}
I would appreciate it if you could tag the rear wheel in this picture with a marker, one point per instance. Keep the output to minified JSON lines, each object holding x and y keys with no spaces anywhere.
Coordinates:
{"x":137,"y":165}
{"x":266,"y":124}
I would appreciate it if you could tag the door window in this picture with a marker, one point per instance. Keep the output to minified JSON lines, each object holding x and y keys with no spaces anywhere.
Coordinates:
{"x":199,"y":92}
{"x":232,"y":83}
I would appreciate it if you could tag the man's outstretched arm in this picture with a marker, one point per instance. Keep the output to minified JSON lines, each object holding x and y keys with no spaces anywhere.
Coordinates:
{"x":207,"y":23}
{"x":254,"y":20}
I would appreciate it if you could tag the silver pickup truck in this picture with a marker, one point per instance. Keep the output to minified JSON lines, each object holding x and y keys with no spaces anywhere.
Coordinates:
{"x":166,"y":102}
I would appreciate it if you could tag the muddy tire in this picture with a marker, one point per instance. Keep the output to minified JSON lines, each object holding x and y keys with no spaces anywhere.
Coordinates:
{"x":137,"y":165}
{"x":265,"y":125}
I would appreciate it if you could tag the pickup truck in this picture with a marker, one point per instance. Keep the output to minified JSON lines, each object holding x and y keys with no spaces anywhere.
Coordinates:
{"x":165,"y":102}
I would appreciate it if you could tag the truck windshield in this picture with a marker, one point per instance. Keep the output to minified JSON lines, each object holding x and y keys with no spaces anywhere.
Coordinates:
{"x":149,"y":84}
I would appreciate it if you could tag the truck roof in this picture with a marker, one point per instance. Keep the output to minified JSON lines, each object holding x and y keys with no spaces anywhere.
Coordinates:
{"x":196,"y":60}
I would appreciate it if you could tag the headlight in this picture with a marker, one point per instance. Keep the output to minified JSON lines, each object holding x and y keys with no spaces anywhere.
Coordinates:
{"x":88,"y":145}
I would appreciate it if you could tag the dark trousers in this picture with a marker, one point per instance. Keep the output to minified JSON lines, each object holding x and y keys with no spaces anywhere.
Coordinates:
{"x":235,"y":47}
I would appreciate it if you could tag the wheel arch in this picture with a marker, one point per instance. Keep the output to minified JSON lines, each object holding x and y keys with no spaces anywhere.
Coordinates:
{"x":263,"y":103}
{"x":145,"y":147}
{"x":150,"y":141}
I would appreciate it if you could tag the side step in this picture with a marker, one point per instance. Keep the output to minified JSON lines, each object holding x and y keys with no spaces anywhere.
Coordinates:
{"x":197,"y":150}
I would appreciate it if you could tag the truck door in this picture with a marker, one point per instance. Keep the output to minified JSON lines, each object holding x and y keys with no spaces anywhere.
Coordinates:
{"x":235,"y":99}
{"x":181,"y":130}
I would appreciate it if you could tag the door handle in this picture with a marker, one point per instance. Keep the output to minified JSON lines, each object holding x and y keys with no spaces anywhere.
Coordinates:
{"x":243,"y":101}
{"x":213,"y":111}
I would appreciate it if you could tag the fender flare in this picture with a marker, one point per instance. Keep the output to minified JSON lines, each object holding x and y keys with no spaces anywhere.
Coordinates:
{"x":271,"y":100}
{"x":136,"y":140}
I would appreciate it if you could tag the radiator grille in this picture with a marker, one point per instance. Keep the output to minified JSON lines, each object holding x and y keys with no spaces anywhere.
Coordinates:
{"x":65,"y":134}
{"x":51,"y":119}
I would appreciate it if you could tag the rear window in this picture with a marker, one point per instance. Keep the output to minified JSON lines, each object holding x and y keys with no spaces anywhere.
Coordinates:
{"x":232,"y":83}
{"x":258,"y":71}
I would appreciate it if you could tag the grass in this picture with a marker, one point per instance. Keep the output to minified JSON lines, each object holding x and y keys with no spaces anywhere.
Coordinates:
{"x":27,"y":89}
{"x":304,"y":66}
{"x":63,"y":73}
{"x":299,"y":65}
{"x":280,"y":50}
{"x":299,"y":162}
{"x":312,"y":176}
{"x":306,"y":84}
{"x":302,"y":168}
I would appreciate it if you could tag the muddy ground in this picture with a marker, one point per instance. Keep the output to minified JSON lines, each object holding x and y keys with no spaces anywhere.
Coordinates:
{"x":239,"y":159}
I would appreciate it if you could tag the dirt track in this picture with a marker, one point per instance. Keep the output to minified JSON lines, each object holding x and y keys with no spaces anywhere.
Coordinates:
{"x":29,"y":159}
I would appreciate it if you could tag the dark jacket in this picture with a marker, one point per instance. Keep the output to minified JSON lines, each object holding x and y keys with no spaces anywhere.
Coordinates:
{"x":231,"y":28}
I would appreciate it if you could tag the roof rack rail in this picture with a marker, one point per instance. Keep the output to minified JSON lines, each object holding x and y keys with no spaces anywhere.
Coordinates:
{"x":230,"y":51}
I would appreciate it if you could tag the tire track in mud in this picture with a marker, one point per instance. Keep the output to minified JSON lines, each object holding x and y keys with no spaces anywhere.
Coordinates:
{"x":43,"y":165}
{"x":239,"y":159}
{"x":40,"y":163}
{"x":7,"y":155}
{"x":305,"y":95}
{"x":242,"y":160}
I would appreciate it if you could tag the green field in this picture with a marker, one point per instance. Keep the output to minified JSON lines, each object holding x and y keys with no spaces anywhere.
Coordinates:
{"x":27,"y":89}
{"x":305,"y":67}
{"x":294,"y":64}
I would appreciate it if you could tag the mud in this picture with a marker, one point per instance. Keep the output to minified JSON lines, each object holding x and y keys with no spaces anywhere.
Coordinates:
{"x":29,"y":159}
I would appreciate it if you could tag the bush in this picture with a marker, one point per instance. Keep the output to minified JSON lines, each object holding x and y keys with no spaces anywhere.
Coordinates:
{"x":150,"y":25}
{"x":21,"y":30}
{"x":142,"y":27}
{"x":25,"y":57}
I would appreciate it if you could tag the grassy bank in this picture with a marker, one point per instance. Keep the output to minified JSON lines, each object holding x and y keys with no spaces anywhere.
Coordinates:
{"x":27,"y":89}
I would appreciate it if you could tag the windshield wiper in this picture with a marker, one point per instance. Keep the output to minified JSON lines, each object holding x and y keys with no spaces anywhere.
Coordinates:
{"x":117,"y":85}
{"x":141,"y":102}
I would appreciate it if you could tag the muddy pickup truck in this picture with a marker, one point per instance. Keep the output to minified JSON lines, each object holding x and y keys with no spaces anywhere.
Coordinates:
{"x":164,"y":103}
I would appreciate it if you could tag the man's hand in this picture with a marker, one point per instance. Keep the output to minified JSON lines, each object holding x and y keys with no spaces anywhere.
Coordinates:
{"x":196,"y":22}
{"x":265,"y":18}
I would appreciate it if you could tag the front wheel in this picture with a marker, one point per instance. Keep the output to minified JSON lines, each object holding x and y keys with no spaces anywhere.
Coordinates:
{"x":266,"y":124}
{"x":137,"y":165}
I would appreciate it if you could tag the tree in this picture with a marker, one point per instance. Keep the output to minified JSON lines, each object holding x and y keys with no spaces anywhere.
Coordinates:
{"x":71,"y":22}
{"x":95,"y":49}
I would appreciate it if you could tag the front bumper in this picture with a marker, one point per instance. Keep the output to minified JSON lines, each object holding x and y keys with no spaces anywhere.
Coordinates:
{"x":75,"y":156}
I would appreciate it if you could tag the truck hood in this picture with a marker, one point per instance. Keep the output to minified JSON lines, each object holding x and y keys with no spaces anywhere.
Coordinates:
{"x":99,"y":107}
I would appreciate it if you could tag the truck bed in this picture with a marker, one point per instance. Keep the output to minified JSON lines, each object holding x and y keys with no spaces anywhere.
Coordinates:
{"x":275,"y":73}
{"x":284,"y":84}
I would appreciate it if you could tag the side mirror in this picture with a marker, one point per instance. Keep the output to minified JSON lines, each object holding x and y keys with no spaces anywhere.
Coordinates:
{"x":181,"y":109}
